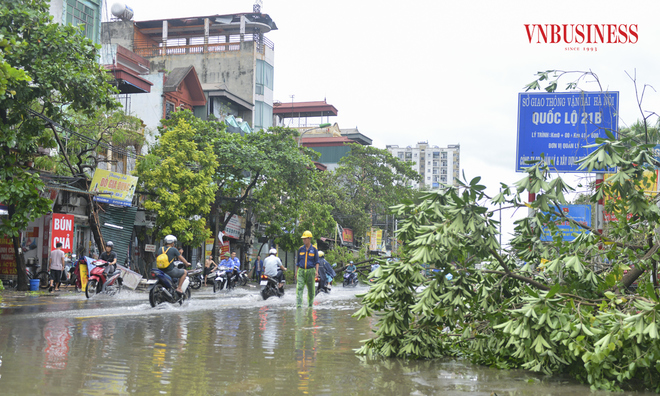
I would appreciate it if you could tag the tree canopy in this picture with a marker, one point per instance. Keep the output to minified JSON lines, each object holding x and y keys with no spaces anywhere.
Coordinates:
{"x":265,"y":174}
{"x":552,"y":307}
{"x":367,"y":181}
{"x":45,"y":68}
{"x":178,"y":176}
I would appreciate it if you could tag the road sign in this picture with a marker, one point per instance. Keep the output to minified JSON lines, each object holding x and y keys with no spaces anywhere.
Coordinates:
{"x":579,"y":213}
{"x":559,"y":125}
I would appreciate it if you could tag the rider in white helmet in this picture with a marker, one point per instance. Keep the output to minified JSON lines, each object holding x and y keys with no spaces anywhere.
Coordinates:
{"x":273,"y":266}
{"x":173,"y":254}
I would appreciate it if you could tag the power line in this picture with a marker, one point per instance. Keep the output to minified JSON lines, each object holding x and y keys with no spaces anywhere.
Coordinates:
{"x":86,"y":139}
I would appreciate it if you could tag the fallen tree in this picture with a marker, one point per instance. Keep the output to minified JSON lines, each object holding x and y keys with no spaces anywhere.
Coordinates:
{"x":551,"y":307}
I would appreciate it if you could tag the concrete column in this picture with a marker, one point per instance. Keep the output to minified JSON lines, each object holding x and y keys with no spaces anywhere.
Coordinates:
{"x":207,"y":27}
{"x":164,"y":38}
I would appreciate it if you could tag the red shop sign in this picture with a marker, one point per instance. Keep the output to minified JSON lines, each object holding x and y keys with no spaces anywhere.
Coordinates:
{"x":62,"y":231}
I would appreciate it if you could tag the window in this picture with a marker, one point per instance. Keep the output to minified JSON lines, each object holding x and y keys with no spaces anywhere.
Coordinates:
{"x":263,"y":115}
{"x":400,"y":156}
{"x":444,"y":163}
{"x":169,"y":109}
{"x":264,"y":76}
{"x":82,"y":13}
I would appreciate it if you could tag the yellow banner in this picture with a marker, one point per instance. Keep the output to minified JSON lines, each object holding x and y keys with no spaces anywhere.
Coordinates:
{"x":208,"y":249}
{"x":113,"y":188}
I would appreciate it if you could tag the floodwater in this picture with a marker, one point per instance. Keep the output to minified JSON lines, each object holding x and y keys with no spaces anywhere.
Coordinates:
{"x":226,"y":343}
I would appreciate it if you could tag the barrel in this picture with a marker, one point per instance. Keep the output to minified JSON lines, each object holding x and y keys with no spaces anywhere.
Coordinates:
{"x":34,"y":284}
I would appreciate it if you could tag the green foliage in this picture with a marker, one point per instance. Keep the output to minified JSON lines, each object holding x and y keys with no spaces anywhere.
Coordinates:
{"x":552,"y":307}
{"x":46,"y":67}
{"x":267,"y":174}
{"x":340,"y":255}
{"x":180,"y":174}
{"x":368,"y":180}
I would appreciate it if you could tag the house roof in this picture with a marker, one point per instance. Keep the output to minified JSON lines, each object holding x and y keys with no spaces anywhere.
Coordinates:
{"x":127,"y":81}
{"x":326,"y":141}
{"x":186,"y":75}
{"x":304,"y":109}
{"x":225,"y":24}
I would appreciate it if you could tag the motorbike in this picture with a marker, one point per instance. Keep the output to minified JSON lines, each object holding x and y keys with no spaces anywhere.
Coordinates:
{"x":221,"y":280}
{"x":196,"y":277}
{"x":101,"y":282}
{"x":242,"y":278}
{"x":350,"y":279}
{"x":325,"y":286}
{"x":269,"y":287}
{"x":164,"y":290}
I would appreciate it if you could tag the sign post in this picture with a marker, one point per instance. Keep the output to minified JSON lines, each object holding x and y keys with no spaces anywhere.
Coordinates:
{"x":560,"y":125}
{"x":579,"y":213}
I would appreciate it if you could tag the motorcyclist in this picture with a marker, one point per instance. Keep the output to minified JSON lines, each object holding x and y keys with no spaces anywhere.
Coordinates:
{"x":273,"y":267}
{"x":173,"y":254}
{"x":325,"y":270}
{"x":110,"y":257}
{"x":351,"y":269}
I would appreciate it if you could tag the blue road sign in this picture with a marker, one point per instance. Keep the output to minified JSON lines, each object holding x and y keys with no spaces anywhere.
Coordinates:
{"x":579,"y":213}
{"x":559,"y":125}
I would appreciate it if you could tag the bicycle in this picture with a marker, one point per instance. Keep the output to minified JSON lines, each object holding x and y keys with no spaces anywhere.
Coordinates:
{"x":43,"y":276}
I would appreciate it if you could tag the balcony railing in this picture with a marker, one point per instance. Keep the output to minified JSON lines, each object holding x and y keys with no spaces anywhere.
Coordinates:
{"x":234,"y":44}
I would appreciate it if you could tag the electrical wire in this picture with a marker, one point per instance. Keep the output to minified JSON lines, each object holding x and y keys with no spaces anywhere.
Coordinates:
{"x":86,"y":138}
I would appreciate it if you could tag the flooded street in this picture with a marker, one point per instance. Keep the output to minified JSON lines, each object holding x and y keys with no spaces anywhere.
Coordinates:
{"x":227,"y":343}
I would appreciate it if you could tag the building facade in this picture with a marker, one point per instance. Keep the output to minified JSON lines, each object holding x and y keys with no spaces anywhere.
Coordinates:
{"x":231,"y":55}
{"x":436,"y":165}
{"x":79,"y":12}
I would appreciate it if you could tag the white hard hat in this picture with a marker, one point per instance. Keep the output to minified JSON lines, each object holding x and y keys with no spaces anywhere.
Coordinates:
{"x":272,"y":251}
{"x":321,"y":254}
{"x":170,"y":239}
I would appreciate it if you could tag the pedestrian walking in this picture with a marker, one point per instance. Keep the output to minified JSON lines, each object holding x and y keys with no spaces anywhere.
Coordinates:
{"x":55,"y":266}
{"x":258,"y":267}
{"x":307,"y":267}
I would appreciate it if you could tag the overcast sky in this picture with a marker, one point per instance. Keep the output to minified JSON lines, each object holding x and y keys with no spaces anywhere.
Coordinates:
{"x":438,"y":71}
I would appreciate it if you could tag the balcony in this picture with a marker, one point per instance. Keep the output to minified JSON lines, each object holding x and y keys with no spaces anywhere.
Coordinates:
{"x":180,"y":46}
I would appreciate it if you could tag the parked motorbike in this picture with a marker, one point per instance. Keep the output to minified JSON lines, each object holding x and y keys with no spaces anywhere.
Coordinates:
{"x":164,"y":290}
{"x":196,"y":277}
{"x":324,"y":286}
{"x":101,"y":282}
{"x":350,"y":279}
{"x":269,"y":287}
{"x":221,"y":280}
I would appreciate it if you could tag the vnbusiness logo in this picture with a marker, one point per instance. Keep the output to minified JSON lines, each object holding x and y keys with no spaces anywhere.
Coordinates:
{"x":582,"y":34}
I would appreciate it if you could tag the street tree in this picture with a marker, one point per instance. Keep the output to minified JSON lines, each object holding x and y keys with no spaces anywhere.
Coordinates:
{"x":45,"y":68}
{"x":551,"y":307}
{"x":368,"y":181}
{"x":177,"y":177}
{"x":263,"y":174}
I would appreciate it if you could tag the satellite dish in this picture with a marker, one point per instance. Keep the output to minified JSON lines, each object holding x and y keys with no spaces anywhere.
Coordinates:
{"x":122,"y":11}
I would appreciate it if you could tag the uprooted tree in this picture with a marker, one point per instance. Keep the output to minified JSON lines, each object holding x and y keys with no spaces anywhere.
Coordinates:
{"x":551,"y":307}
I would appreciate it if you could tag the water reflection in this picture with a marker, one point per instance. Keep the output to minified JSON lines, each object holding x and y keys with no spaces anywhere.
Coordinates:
{"x":238,"y":344}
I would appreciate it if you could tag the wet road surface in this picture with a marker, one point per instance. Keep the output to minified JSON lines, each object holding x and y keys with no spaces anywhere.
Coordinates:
{"x":225,"y":343}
